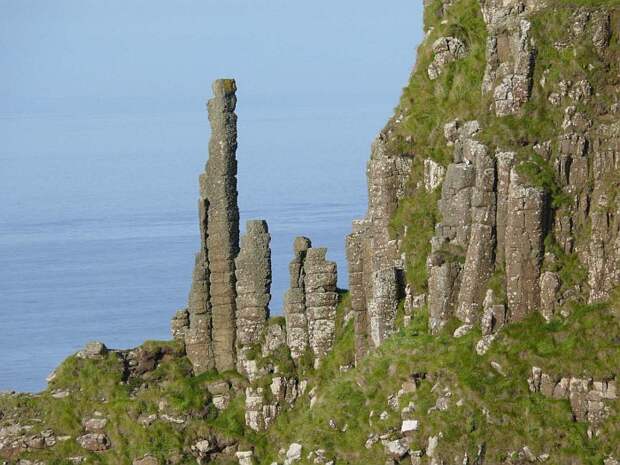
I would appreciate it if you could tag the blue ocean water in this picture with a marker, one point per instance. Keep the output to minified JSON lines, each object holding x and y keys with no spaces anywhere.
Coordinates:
{"x":104,"y":133}
{"x":97,"y":236}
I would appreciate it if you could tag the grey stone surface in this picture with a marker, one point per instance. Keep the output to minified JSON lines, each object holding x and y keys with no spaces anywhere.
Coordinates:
{"x":525,"y":232}
{"x":93,"y":350}
{"x":602,"y":256}
{"x":480,"y":255}
{"x":262,"y":407}
{"x":445,"y":51}
{"x":550,"y":285}
{"x":295,"y":301}
{"x":510,"y":54}
{"x":433,"y":174}
{"x":253,"y":285}
{"x":210,"y":338}
{"x":223,"y":220}
{"x":369,"y":247}
{"x":588,"y":397}
{"x":463,"y":246}
{"x":383,"y":305}
{"x":179,"y":325}
{"x":505,"y":162}
{"x":94,"y":442}
{"x":320,"y":278}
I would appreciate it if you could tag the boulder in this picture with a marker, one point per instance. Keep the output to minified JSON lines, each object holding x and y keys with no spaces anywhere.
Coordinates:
{"x":93,"y":350}
{"x":94,"y":442}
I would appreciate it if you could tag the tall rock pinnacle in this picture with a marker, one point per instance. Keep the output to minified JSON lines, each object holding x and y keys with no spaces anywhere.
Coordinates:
{"x":210,"y":339}
{"x":223,"y":214}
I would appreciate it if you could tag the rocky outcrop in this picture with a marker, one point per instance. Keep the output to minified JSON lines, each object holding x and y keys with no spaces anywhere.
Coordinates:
{"x":480,"y":254}
{"x":210,"y":338}
{"x":198,"y":343}
{"x":372,"y":253}
{"x":253,"y":274}
{"x":94,"y":350}
{"x":463,"y":247}
{"x":295,"y":301}
{"x":320,"y":278}
{"x":357,"y":288}
{"x":94,"y":442}
{"x":524,"y":236}
{"x":179,"y":325}
{"x":588,"y":397}
{"x":510,"y":54}
{"x":492,"y":220}
{"x":262,"y":407}
{"x":505,"y":162}
{"x":223,"y":220}
{"x":603,"y":256}
{"x":445,"y":51}
{"x":382,"y":308}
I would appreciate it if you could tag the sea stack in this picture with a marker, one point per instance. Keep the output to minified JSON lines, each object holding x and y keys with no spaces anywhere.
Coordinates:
{"x":210,"y":340}
{"x":253,"y":272}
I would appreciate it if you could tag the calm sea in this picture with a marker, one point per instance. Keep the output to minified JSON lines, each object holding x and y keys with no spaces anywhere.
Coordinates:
{"x":98,"y":221}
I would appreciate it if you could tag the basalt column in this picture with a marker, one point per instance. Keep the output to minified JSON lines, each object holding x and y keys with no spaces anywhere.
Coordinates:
{"x":223,"y":214}
{"x":376,"y":266}
{"x":321,"y":302}
{"x":198,"y":336}
{"x":525,"y":232}
{"x":295,"y":301}
{"x":253,"y":272}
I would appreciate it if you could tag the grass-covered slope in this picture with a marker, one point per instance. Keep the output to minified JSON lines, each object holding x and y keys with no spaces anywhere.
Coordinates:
{"x":162,"y":412}
{"x":484,"y":407}
{"x":466,"y":400}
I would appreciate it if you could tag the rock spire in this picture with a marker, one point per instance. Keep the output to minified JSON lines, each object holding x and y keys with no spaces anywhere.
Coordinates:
{"x":253,"y":273}
{"x":210,"y":339}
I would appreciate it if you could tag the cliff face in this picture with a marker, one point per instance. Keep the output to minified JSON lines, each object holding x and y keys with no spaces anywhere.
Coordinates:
{"x":482,"y":321}
{"x":525,"y":166}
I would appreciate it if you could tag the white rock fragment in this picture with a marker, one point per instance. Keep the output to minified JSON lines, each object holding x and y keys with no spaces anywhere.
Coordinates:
{"x":408,"y":426}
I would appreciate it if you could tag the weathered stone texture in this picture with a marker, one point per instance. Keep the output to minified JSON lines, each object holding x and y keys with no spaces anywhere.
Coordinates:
{"x":480,"y":255}
{"x":550,"y":285}
{"x":510,"y":54}
{"x":355,"y":258}
{"x":467,"y":228}
{"x":179,"y":325}
{"x":198,"y":335}
{"x":443,"y":290}
{"x":261,"y":409}
{"x":445,"y":51}
{"x":223,"y":220}
{"x":603,"y":254}
{"x":295,"y":301}
{"x":433,"y":174}
{"x":588,"y":397}
{"x":493,"y":315}
{"x":525,"y":233}
{"x":321,"y":301}
{"x":382,"y":308}
{"x":371,"y":253}
{"x":210,"y":337}
{"x":253,"y":273}
{"x":505,"y":162}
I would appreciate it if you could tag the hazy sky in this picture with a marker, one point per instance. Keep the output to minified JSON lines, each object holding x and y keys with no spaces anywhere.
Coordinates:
{"x":109,"y":50}
{"x":72,"y":69}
